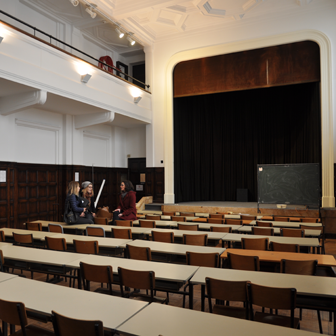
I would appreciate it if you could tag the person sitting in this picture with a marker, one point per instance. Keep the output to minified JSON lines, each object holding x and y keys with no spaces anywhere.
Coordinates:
{"x":87,"y":193}
{"x":126,"y":209}
{"x":76,"y":205}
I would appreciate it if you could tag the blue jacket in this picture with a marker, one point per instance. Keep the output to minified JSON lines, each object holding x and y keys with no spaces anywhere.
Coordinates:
{"x":75,"y":203}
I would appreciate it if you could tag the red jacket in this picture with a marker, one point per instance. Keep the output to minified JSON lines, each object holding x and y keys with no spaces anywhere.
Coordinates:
{"x":127,"y":206}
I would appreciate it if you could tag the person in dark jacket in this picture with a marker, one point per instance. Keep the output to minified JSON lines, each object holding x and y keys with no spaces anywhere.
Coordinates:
{"x":88,"y":193}
{"x":127,"y":208}
{"x":76,"y":204}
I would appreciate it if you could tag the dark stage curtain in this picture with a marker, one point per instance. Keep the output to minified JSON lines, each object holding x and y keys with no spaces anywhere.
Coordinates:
{"x":220,"y":138}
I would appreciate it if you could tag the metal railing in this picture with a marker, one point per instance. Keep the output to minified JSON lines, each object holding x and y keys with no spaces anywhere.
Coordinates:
{"x":111,"y":68}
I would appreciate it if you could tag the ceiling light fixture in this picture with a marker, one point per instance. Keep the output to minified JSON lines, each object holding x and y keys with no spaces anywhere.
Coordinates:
{"x":91,"y":12}
{"x":137,"y":99}
{"x":131,"y":41}
{"x":120,"y":33}
{"x":85,"y":78}
{"x":75,"y":3}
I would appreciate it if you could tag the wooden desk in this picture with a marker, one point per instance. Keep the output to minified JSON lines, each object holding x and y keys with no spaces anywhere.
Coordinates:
{"x":45,"y":223}
{"x":43,"y":297}
{"x":6,"y":276}
{"x":248,"y":229}
{"x":159,"y":223}
{"x":156,"y":319}
{"x":207,"y":226}
{"x":37,"y":235}
{"x":273,"y":256}
{"x":292,"y":225}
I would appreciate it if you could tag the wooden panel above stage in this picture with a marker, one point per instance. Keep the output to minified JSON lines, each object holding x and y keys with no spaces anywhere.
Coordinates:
{"x":279,"y":65}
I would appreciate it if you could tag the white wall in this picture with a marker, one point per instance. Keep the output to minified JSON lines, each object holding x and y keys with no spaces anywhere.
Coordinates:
{"x":136,"y":142}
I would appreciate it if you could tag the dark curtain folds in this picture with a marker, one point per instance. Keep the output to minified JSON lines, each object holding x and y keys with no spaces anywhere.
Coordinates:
{"x":220,"y":138}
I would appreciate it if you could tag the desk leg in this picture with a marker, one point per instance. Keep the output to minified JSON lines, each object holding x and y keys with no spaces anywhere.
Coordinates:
{"x":202,"y":297}
{"x":79,"y":279}
{"x":191,"y":296}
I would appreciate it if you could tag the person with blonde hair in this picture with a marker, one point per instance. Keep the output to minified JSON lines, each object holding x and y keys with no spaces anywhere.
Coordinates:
{"x":76,"y":204}
{"x":88,"y":193}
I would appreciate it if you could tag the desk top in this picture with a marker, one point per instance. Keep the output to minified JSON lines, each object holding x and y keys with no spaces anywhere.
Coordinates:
{"x":156,"y":319}
{"x":274,"y":256}
{"x":163,"y":271}
{"x":71,"y":302}
{"x":38,"y":235}
{"x":180,"y":233}
{"x":207,"y":226}
{"x":45,"y":223}
{"x":304,"y":284}
{"x":6,"y":276}
{"x":288,"y":224}
{"x":171,"y":248}
{"x":159,"y":223}
{"x":248,"y":229}
{"x":108,"y":228}
{"x":236,"y":237}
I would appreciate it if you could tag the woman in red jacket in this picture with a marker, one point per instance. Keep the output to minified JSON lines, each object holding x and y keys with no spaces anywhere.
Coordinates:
{"x":126,"y":209}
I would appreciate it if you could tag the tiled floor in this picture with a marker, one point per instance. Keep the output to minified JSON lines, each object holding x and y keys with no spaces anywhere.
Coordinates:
{"x":309,"y":320}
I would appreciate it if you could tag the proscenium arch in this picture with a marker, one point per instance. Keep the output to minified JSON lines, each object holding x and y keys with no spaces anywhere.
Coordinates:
{"x":328,"y":199}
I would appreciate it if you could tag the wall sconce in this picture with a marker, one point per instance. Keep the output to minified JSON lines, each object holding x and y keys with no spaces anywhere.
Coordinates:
{"x":131,"y":41}
{"x":120,"y":33}
{"x":85,"y":78}
{"x":91,"y":12}
{"x":74,"y":2}
{"x":137,"y":99}
{"x":1,"y":38}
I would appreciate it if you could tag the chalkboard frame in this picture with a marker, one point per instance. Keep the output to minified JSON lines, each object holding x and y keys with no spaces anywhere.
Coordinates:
{"x":313,"y":202}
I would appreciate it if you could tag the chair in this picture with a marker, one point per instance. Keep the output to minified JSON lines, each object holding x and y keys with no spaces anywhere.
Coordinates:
{"x":95,"y":231}
{"x":34,"y":226}
{"x":163,"y":237}
{"x":273,"y":298}
{"x":187,"y":214}
{"x":147,"y":223}
{"x":215,"y":220}
{"x":152,"y":217}
{"x":302,"y":267}
{"x":248,"y":217}
{"x":178,"y":218}
{"x":2,"y":236}
{"x":222,"y":213}
{"x":121,"y":233}
{"x":255,"y":244}
{"x":280,"y":219}
{"x":85,"y":246}
{"x":233,"y":221}
{"x":97,"y":273}
{"x":100,"y":220}
{"x":197,"y":240}
{"x":168,"y":213}
{"x":242,"y":262}
{"x":57,"y":228}
{"x":292,"y":232}
{"x":23,"y":239}
{"x":138,"y":280}
{"x":14,"y":314}
{"x":227,"y":291}
{"x":262,"y":231}
{"x":66,"y":326}
{"x":280,"y":247}
{"x":227,"y":229}
{"x":216,"y":216}
{"x":138,"y":252}
{"x":104,"y":213}
{"x":124,"y":223}
{"x":187,"y":227}
{"x":56,"y":244}
{"x":309,"y":220}
{"x":264,"y":224}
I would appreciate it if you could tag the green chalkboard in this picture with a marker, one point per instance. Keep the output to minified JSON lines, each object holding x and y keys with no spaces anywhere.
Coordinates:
{"x":297,"y":184}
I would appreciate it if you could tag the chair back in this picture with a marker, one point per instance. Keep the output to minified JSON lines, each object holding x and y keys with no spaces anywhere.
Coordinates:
{"x":302,"y":267}
{"x":187,"y":214}
{"x":178,"y":218}
{"x":86,"y":247}
{"x":96,"y":273}
{"x":121,"y":233}
{"x":292,"y":232}
{"x":233,"y":221}
{"x":255,"y":244}
{"x":187,"y":227}
{"x":248,"y":217}
{"x":56,"y":244}
{"x":264,"y":224}
{"x":280,"y":247}
{"x":66,"y":326}
{"x":2,"y":236}
{"x":136,"y":279}
{"x":23,"y":239}
{"x":95,"y":231}
{"x":261,"y":231}
{"x":124,"y":223}
{"x":202,"y":259}
{"x":215,"y":220}
{"x":2,"y":261}
{"x":243,"y":262}
{"x":197,"y":240}
{"x":100,"y":220}
{"x":309,"y":220}
{"x":168,"y":213}
{"x":138,"y":252}
{"x":34,"y":226}
{"x":13,"y":313}
{"x":216,"y":216}
{"x":281,"y":219}
{"x":153,"y":217}
{"x":163,"y":237}
{"x":57,"y":228}
{"x":104,"y":213}
{"x":307,"y":227}
{"x":227,"y":229}
{"x":147,"y":224}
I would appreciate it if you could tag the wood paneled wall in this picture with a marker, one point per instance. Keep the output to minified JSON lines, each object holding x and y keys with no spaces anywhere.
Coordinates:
{"x":273,"y":66}
{"x":38,"y":191}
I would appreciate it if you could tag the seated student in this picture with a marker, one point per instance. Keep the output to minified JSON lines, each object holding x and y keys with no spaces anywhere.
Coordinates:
{"x":127,"y":208}
{"x":76,"y":205}
{"x":87,"y":193}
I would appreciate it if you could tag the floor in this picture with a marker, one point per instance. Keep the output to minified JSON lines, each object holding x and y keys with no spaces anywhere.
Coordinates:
{"x":309,"y":320}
